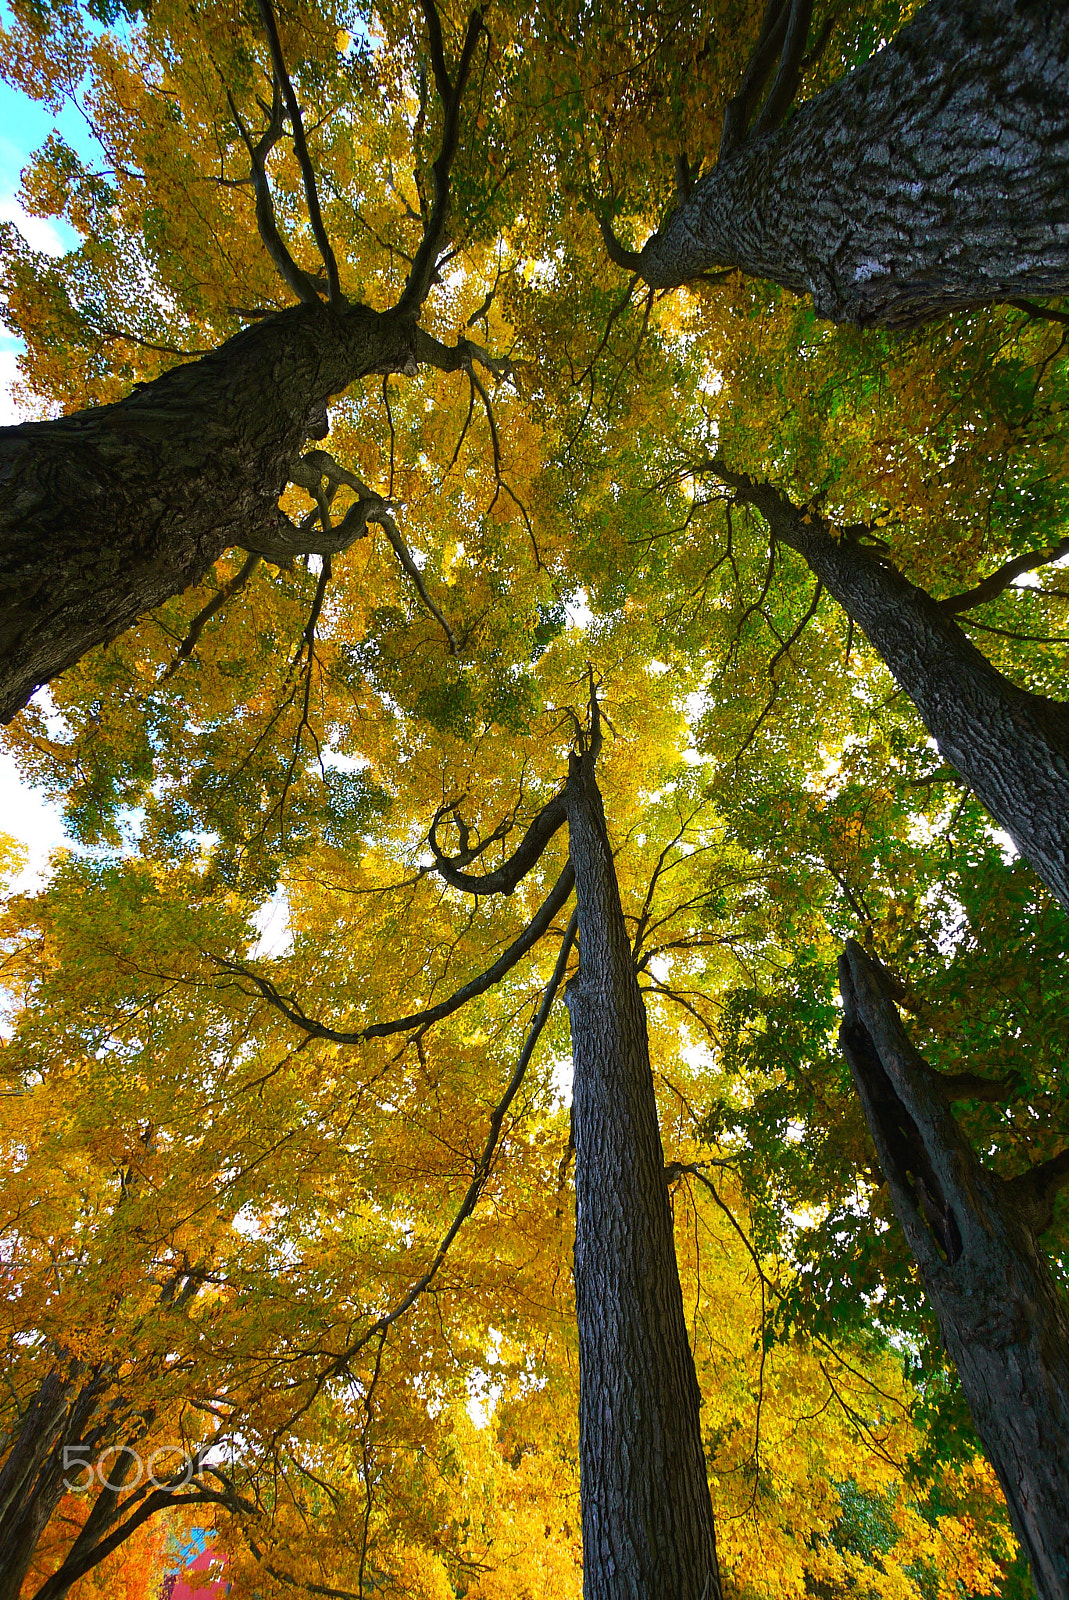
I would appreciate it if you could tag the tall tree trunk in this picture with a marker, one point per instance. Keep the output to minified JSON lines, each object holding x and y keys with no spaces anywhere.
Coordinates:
{"x":1010,"y":746}
{"x":111,"y":511}
{"x":647,"y":1518}
{"x":934,"y":176}
{"x":973,"y":1236}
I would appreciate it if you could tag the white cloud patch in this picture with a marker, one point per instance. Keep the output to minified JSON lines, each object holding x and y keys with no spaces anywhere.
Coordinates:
{"x":47,"y":234}
{"x":34,"y":819}
{"x":10,"y":413}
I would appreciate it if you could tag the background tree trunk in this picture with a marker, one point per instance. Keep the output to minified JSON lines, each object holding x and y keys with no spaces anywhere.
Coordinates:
{"x":935,"y":176}
{"x":647,"y":1517}
{"x":973,"y":1236}
{"x":1010,"y":746}
{"x":109,"y":512}
{"x":32,"y":1477}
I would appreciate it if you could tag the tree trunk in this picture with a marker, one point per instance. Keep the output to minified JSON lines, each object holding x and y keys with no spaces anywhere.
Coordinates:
{"x":1010,"y":746}
{"x":932,"y":177}
{"x":647,"y":1518}
{"x":111,"y":511}
{"x":32,"y":1477}
{"x":973,"y":1236}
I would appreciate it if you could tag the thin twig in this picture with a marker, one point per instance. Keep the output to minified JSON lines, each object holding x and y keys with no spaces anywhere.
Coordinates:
{"x":204,"y":616}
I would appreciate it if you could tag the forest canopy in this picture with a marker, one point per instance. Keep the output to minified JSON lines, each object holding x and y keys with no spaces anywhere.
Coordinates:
{"x":453,"y":431}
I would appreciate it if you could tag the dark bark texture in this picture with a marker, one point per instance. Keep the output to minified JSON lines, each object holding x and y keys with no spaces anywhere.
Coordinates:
{"x":934,"y":176}
{"x":647,"y":1518}
{"x":973,"y":1236}
{"x":1010,"y":746}
{"x":109,"y":512}
{"x":31,"y":1480}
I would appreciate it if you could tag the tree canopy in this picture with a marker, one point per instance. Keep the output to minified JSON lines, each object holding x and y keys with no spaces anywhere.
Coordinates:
{"x":379,"y":428}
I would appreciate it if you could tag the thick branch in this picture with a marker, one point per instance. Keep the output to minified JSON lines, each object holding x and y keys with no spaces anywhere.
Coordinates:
{"x":451,"y":95}
{"x":1035,"y":1191}
{"x":291,"y":274}
{"x":789,"y":72}
{"x":740,"y":107}
{"x":1000,"y":580}
{"x":458,"y":357}
{"x":923,"y":1154}
{"x":973,"y":1236}
{"x":166,"y":1498}
{"x":629,"y":260}
{"x":420,"y":1020}
{"x":971,"y":1086}
{"x":504,"y":878}
{"x":1010,"y":746}
{"x":304,"y":160}
{"x":1040,"y":313}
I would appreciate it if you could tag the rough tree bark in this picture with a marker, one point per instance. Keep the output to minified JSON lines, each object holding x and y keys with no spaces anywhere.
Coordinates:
{"x":1010,"y":746}
{"x":973,"y":1236}
{"x":32,"y":1478}
{"x":111,"y":511}
{"x":647,"y":1517}
{"x":934,"y":176}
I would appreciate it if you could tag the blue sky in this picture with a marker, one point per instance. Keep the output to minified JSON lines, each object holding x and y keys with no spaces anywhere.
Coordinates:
{"x":24,"y":126}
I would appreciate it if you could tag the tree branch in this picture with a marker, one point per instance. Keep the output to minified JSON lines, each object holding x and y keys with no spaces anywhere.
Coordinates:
{"x":385,"y":521}
{"x":485,"y":1162}
{"x":291,"y":274}
{"x":629,"y":260}
{"x":1035,"y":1191}
{"x":457,"y":357}
{"x":304,"y":160}
{"x":418,"y":1021}
{"x":1040,"y":313}
{"x":971,"y":1086}
{"x":740,"y":107}
{"x":426,"y":258}
{"x":204,"y":616}
{"x":996,"y":582}
{"x":789,"y":72}
{"x":505,"y":878}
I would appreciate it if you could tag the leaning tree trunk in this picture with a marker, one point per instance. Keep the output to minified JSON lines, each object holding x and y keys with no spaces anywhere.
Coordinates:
{"x":63,"y":1412}
{"x":1010,"y":746}
{"x":934,"y":176}
{"x":111,"y":511}
{"x":973,"y":1236}
{"x":647,"y":1518}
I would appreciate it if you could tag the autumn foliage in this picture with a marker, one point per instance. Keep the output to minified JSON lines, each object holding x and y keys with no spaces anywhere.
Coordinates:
{"x":212,"y":1208}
